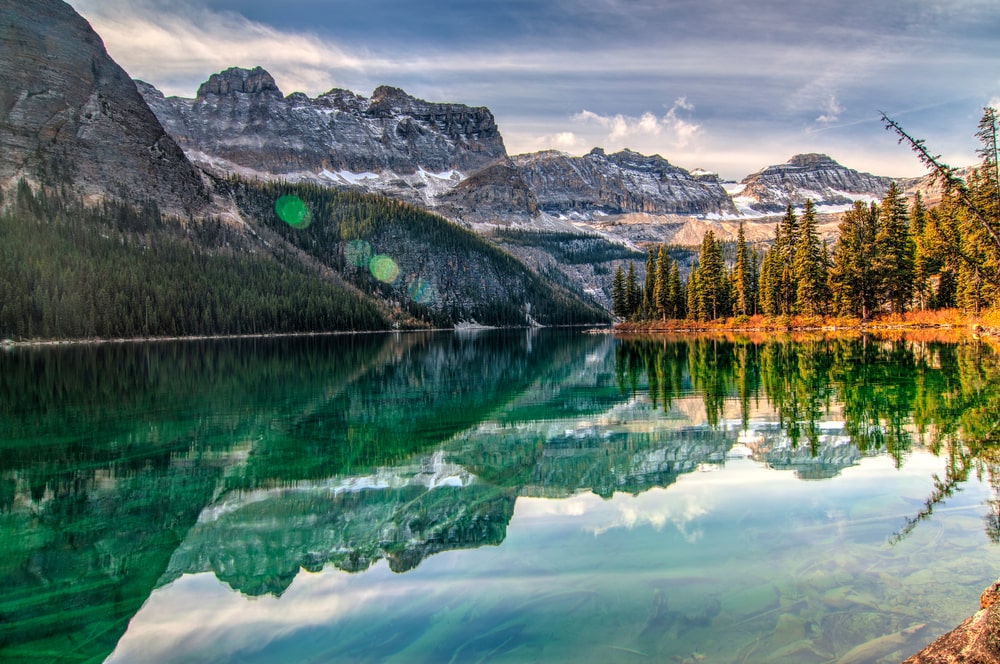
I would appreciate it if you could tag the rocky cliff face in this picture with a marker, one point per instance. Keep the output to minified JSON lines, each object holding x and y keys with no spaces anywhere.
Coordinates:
{"x":69,"y":115}
{"x":602,"y":184}
{"x":808,"y":176}
{"x":240,"y":121}
{"x":490,"y":194}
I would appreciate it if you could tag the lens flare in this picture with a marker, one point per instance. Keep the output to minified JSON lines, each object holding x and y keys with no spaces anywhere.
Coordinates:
{"x":421,"y":291}
{"x":293,"y":211}
{"x":358,"y":253}
{"x":383,"y":268}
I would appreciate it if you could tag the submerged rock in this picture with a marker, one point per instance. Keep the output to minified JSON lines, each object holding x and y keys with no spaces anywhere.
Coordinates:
{"x":975,"y":641}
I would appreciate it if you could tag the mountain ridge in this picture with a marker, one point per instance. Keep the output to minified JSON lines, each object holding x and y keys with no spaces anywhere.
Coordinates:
{"x":418,"y":151}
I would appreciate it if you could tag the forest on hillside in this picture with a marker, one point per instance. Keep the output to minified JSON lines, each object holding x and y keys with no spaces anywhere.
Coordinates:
{"x":68,"y":270}
{"x":889,"y":257}
{"x":304,"y":259}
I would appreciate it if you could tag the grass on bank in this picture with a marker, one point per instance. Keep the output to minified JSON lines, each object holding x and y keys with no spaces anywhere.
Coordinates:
{"x":939,"y":318}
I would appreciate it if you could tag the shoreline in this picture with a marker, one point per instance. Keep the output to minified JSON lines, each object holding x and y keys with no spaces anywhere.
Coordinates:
{"x":10,"y":344}
{"x":986,"y":325}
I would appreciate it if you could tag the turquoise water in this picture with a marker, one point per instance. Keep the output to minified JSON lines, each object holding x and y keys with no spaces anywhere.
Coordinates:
{"x":497,"y":496}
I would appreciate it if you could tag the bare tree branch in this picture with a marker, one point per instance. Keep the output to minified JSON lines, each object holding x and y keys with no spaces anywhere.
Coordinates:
{"x":945,"y":173}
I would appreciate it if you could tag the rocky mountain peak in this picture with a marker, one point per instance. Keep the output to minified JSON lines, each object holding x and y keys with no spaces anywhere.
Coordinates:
{"x":618,"y":183}
{"x":812,"y":176}
{"x":241,"y":122}
{"x":69,"y":115}
{"x":239,"y":80}
{"x":387,"y":101}
{"x":813,"y":160}
{"x":342,"y":100}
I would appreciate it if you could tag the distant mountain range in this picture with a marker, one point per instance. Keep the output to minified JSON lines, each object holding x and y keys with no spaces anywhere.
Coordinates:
{"x":419,"y":151}
{"x":71,"y":118}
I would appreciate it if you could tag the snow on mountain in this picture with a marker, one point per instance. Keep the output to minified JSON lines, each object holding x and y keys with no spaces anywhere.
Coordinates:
{"x":808,"y":176}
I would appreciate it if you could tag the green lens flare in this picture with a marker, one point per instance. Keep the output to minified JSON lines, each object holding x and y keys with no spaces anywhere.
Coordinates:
{"x":383,"y":268}
{"x":358,"y":253}
{"x":293,"y":211}
{"x":421,"y":291}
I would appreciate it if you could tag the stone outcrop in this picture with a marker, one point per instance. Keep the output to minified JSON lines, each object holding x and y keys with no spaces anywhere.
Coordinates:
{"x":619,"y":183}
{"x":70,"y":116}
{"x":495,"y":192}
{"x":240,"y":121}
{"x":809,"y":176}
{"x":975,"y":641}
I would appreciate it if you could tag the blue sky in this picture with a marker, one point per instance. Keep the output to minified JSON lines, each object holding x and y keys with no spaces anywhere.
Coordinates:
{"x":723,"y":85}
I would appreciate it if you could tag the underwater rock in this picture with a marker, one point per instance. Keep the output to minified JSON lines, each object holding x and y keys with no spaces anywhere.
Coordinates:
{"x":975,"y":641}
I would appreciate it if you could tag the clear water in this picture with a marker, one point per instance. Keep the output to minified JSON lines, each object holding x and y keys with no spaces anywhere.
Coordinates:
{"x":501,"y":496}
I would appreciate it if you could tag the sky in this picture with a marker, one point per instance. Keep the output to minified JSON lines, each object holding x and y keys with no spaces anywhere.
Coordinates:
{"x":722,"y":85}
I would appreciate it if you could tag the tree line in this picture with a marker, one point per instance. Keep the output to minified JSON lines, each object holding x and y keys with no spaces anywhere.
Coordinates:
{"x":122,"y":269}
{"x":889,"y":257}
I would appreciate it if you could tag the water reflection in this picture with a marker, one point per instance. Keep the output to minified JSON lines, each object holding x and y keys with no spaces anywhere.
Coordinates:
{"x":129,"y":468}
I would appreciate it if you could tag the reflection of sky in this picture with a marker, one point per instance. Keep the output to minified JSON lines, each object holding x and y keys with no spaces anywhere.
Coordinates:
{"x":738,"y":525}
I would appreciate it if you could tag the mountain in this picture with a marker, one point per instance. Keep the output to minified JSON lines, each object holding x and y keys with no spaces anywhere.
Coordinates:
{"x":600,"y":184}
{"x":174,"y":250}
{"x":69,"y":115}
{"x":807,"y":176}
{"x":240,"y":122}
{"x":450,"y":158}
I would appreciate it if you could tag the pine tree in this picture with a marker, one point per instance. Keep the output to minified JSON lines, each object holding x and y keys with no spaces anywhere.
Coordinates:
{"x":693,"y":305}
{"x":769,"y":288}
{"x":648,"y":293}
{"x":853,"y":280}
{"x":785,"y":246}
{"x":676,"y":300}
{"x":811,"y":295}
{"x":712,"y":279}
{"x":618,"y":301}
{"x":893,"y":260}
{"x":923,"y":263}
{"x":662,"y":296}
{"x":743,"y":276}
{"x":633,"y":294}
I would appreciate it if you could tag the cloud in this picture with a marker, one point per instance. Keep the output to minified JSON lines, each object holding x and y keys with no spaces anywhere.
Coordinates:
{"x":675,"y":130}
{"x":831,"y":110}
{"x":191,"y":42}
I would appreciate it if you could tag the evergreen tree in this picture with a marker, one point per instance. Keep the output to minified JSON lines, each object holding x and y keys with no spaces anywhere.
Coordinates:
{"x":923,"y":263}
{"x":676,"y":300}
{"x":649,"y":292}
{"x":662,"y":297}
{"x":743,"y":276}
{"x":853,"y":280}
{"x":712,"y":280}
{"x":811,"y":295}
{"x":633,"y":294}
{"x":618,"y":301}
{"x":693,"y":297}
{"x":977,"y":244}
{"x":893,"y":260}
{"x":769,"y":289}
{"x":784,"y":244}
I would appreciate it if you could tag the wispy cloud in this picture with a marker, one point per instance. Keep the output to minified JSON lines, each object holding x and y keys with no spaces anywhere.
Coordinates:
{"x":769,"y":80}
{"x":173,"y":48}
{"x":831,"y":111}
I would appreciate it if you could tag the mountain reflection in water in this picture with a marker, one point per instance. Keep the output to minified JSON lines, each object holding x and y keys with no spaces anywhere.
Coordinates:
{"x":128,"y":468}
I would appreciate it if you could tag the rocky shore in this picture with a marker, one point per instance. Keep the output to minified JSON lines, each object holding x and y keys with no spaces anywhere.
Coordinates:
{"x":975,"y":641}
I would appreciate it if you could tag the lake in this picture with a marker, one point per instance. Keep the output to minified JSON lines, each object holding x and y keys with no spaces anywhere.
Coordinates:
{"x":495,"y":496}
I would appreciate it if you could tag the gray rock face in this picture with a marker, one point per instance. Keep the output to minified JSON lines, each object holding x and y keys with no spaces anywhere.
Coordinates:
{"x":241,"y":120}
{"x":618,"y":183}
{"x":809,"y":176}
{"x":492,"y":193}
{"x":69,"y":115}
